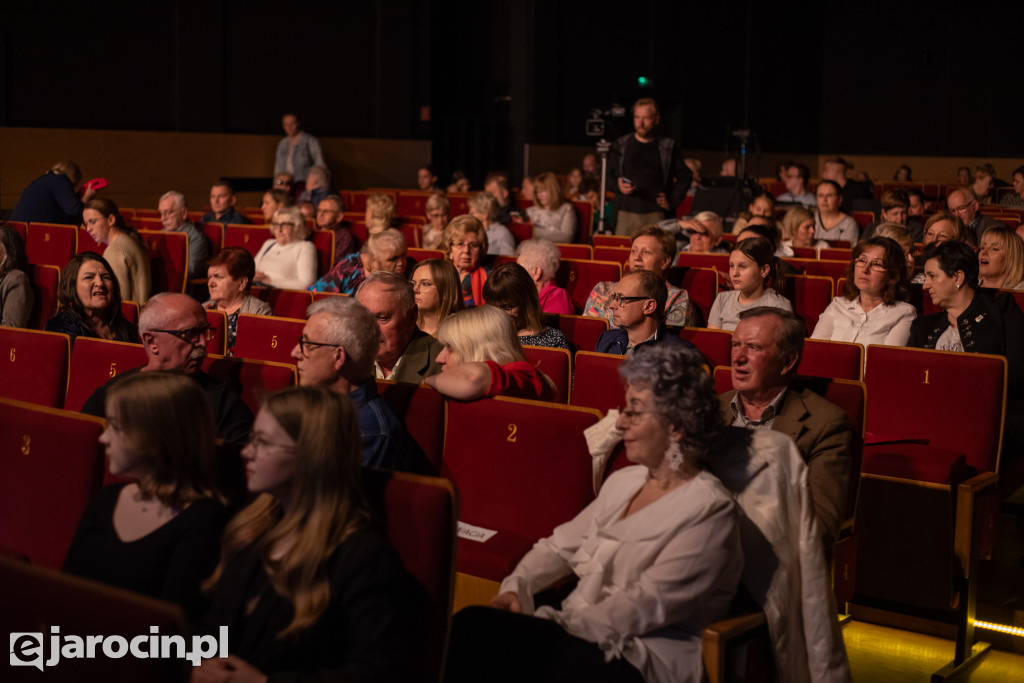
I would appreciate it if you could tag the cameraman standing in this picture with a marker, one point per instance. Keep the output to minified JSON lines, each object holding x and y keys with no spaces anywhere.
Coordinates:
{"x":649,"y":171}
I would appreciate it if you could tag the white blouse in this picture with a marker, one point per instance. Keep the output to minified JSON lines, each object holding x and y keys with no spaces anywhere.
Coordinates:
{"x":846,"y":321}
{"x":725,"y":312}
{"x":668,"y":570}
{"x":558,"y":225}
{"x":292,"y":266}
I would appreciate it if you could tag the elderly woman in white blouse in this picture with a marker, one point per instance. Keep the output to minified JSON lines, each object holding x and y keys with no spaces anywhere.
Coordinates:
{"x":873,"y":308}
{"x":657,"y":554}
{"x":287,"y":261}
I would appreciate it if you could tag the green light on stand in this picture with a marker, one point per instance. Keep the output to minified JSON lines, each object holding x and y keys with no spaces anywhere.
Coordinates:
{"x":644,"y":82}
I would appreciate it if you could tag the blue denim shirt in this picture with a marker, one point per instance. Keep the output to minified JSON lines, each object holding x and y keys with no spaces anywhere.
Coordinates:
{"x":386,"y":443}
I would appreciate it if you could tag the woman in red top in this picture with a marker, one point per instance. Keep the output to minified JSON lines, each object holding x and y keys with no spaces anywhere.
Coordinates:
{"x":482,"y":357}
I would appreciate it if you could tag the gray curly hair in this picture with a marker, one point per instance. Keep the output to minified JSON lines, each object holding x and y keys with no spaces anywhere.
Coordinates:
{"x":683,"y":392}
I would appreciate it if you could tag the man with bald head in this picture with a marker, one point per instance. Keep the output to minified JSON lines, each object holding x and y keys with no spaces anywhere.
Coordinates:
{"x":964,"y":204}
{"x":406,"y":354}
{"x":174,"y":331}
{"x":336,"y":350}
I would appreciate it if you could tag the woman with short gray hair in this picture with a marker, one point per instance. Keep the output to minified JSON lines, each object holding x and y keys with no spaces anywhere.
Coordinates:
{"x":287,"y":261}
{"x":541,"y":258}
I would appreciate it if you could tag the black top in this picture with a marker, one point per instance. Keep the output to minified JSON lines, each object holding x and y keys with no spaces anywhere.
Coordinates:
{"x":232,"y":417}
{"x":70,"y":324}
{"x":992,"y":324}
{"x":641,"y":163}
{"x":50,"y":198}
{"x":368,"y":632}
{"x":229,"y":216}
{"x":168,"y":563}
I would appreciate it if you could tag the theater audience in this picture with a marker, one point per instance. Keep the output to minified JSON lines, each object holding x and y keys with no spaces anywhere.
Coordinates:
{"x":902,"y":236}
{"x":1001,"y":260}
{"x":983,"y":183}
{"x":963,"y":203}
{"x":298,"y":151}
{"x":273,"y":201}
{"x":126,"y":253}
{"x":526,"y":190}
{"x":763,"y":204}
{"x":307,"y":584}
{"x":903,"y":174}
{"x":157,"y":534}
{"x":830,"y":223}
{"x":552,"y":216}
{"x":52,"y":197}
{"x":873,"y":308}
{"x":406,"y":353}
{"x":229,"y":277}
{"x":426,"y":179}
{"x":796,"y":179}
{"x":460,"y":183}
{"x":943,"y":227}
{"x":288,"y":260}
{"x":496,"y":185}
{"x":16,"y":294}
{"x":482,"y":357}
{"x":653,"y":250}
{"x":971,"y":320}
{"x":435,"y":286}
{"x":1015,"y":199}
{"x":174,"y":332}
{"x":484,"y":208}
{"x":465,"y":241}
{"x":385,"y":250}
{"x":541,"y":259}
{"x":753,"y":272}
{"x":510,"y":289}
{"x":894,"y":210}
{"x":572,"y":184}
{"x":380,"y":212}
{"x":174,"y":216}
{"x":437,"y":211}
{"x":704,"y":232}
{"x":798,"y":231}
{"x":222,"y":206}
{"x":89,"y":300}
{"x":834,"y":170}
{"x":637,"y":304}
{"x":318,"y":185}
{"x":767,"y":345}
{"x":336,"y":350}
{"x":657,"y":555}
{"x":963,"y":175}
{"x":330,"y":215}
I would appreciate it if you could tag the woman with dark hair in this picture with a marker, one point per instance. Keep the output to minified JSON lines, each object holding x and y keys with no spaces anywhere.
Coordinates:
{"x":90,"y":302}
{"x":873,"y":308}
{"x":657,"y":554}
{"x":16,"y":295}
{"x":307,"y":585}
{"x":511,"y":289}
{"x":754,"y":271}
{"x":274,"y":201}
{"x":157,"y":535}
{"x":902,"y":174}
{"x":762,"y":204}
{"x":229,"y":277}
{"x":830,"y":223}
{"x":125,"y":250}
{"x":435,"y":285}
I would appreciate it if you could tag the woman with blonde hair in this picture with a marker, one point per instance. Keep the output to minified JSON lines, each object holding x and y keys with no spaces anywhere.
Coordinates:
{"x":1001,"y":259}
{"x":465,"y":242}
{"x":125,"y":250}
{"x":483,"y":357}
{"x":288,"y":260}
{"x":499,"y":238}
{"x":553,"y":218}
{"x":157,"y":534}
{"x":798,"y":231}
{"x":307,"y":584}
{"x":437,"y":211}
{"x":435,"y":285}
{"x":380,"y":211}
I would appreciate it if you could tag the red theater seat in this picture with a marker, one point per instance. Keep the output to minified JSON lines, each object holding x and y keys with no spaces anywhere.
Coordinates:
{"x":94,"y":362}
{"x":267,"y":337}
{"x":45,"y":280}
{"x":168,"y":257}
{"x":582,"y":331}
{"x":597,"y":383}
{"x":51,"y":244}
{"x":556,"y":364}
{"x":287,"y":303}
{"x":423,"y":412}
{"x":252,"y":379}
{"x":841,"y":360}
{"x":577,"y":251}
{"x":714,"y":345}
{"x":219,"y":321}
{"x":810,"y":296}
{"x":578,"y":277}
{"x":34,"y":366}
{"x":248,"y":237}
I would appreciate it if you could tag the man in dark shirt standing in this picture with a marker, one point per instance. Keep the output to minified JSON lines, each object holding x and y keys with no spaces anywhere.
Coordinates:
{"x":648,"y":172}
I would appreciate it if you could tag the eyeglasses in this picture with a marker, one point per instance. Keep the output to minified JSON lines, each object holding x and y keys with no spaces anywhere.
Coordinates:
{"x":618,"y":299}
{"x":472,"y":246}
{"x":257,"y":442}
{"x":281,"y":225}
{"x":304,"y":345}
{"x":960,"y":209}
{"x":693,"y":231}
{"x":634,"y":416}
{"x":873,"y":266}
{"x":192,"y":335}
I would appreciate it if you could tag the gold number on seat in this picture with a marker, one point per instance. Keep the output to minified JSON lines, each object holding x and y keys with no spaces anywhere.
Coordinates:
{"x":46,"y":237}
{"x":12,"y":354}
{"x":26,"y":443}
{"x":572,"y":275}
{"x":273,"y":341}
{"x":926,"y":377}
{"x":512,"y":429}
{"x":246,"y":238}
{"x":113,"y":369}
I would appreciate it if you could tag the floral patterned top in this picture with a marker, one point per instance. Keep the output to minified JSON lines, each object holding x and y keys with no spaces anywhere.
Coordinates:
{"x":678,"y":311}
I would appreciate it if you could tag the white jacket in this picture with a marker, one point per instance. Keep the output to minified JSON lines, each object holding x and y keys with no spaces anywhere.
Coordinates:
{"x":648,"y":583}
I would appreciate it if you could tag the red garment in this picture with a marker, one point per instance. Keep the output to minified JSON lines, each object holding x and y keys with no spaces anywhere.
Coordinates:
{"x":518,"y":379}
{"x":477,"y":279}
{"x":554,"y":299}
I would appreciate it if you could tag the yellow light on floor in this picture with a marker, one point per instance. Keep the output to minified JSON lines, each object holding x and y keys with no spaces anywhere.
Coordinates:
{"x":1002,"y":628}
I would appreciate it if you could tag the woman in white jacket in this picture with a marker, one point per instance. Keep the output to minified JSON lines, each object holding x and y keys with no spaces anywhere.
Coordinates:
{"x":287,"y":261}
{"x":657,"y":554}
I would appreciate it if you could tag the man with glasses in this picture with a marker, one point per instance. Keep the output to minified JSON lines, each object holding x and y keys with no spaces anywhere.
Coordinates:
{"x":330,"y":215}
{"x":766,"y":348}
{"x":174,"y":216}
{"x":337,"y":349}
{"x":964,"y":205}
{"x":174,"y":330}
{"x":796,"y":178}
{"x":638,"y":308}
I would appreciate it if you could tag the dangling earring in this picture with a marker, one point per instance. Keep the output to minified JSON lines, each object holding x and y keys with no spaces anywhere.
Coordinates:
{"x":674,"y":456}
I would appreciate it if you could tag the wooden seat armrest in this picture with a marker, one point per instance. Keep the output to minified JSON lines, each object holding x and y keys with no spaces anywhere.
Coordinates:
{"x":717,"y":638}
